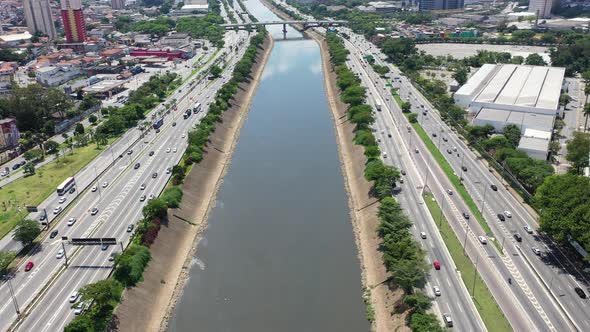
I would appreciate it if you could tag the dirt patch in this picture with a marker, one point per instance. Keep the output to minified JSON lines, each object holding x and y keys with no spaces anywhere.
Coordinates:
{"x":362,"y":208}
{"x":149,"y":306}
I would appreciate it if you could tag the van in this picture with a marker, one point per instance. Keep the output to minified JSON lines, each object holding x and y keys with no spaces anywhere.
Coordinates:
{"x":447,"y":319}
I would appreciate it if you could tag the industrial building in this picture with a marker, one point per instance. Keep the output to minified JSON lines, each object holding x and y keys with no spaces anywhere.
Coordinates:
{"x":526,"y":96}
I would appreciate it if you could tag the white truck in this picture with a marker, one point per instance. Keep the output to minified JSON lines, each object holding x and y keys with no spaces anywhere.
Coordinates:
{"x":378,"y":105}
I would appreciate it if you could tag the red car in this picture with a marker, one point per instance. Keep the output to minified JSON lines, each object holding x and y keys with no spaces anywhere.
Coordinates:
{"x":436,"y":265}
{"x":29,"y":266}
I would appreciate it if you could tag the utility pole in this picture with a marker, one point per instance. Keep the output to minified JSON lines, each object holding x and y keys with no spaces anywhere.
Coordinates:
{"x":485,"y":190}
{"x":442,"y":211}
{"x":474,"y":276}
{"x":465,"y":239}
{"x":12,"y":295}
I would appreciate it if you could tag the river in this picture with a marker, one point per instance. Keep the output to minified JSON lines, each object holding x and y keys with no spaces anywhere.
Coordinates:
{"x":279,"y":252}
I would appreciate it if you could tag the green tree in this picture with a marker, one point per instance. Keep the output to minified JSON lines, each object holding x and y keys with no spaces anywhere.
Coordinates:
{"x":406,"y":106}
{"x":26,"y":231}
{"x":51,"y":147}
{"x":215,"y":71}
{"x":364,"y":137}
{"x":79,"y":130}
{"x":422,"y":322}
{"x":460,"y":75}
{"x":408,"y":273}
{"x":535,"y":59}
{"x":418,"y":302}
{"x":103,"y":293}
{"x":155,"y":208}
{"x":33,"y":155}
{"x":6,"y":257}
{"x":578,"y":150}
{"x":413,"y":118}
{"x":81,"y":323}
{"x":29,"y":169}
{"x":512,"y":133}
{"x":372,"y":152}
{"x":92,"y":119}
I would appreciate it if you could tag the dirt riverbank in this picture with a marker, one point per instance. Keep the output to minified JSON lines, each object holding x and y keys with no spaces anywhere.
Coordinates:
{"x":149,"y":306}
{"x":363,"y":209}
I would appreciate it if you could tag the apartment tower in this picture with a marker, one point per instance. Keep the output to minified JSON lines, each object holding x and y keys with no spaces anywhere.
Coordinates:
{"x":38,"y":17}
{"x":73,"y":20}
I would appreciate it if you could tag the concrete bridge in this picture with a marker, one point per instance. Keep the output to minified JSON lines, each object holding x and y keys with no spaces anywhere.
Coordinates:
{"x":306,"y":24}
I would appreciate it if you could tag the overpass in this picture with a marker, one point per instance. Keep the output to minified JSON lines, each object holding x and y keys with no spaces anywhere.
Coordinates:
{"x":305,"y":23}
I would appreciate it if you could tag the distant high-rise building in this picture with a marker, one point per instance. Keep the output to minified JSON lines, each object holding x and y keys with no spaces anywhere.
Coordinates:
{"x":542,"y":8}
{"x":38,"y":17}
{"x":441,"y":4}
{"x":73,"y":20}
{"x":118,"y":4}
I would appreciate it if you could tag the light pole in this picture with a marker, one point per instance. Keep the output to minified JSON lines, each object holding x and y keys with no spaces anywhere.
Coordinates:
{"x":12,"y":295}
{"x":465,"y":239}
{"x":475,"y":276}
{"x":485,"y":190}
{"x":442,"y":211}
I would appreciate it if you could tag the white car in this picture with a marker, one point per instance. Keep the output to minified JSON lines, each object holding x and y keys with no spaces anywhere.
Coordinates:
{"x":423,"y":235}
{"x":183,"y":135}
{"x":449,"y":191}
{"x":105,"y":184}
{"x":71,"y":221}
{"x":482,"y":239}
{"x":168,"y":150}
{"x":436,"y":290}
{"x":62,"y":200}
{"x":74,"y":297}
{"x":79,"y":308}
{"x":378,"y":139}
{"x":384,"y":154}
{"x":94,"y":211}
{"x":151,"y":197}
{"x":508,"y":214}
{"x":93,"y":189}
{"x":60,"y":254}
{"x":142,"y":187}
{"x":57,"y":210}
{"x":168,"y":170}
{"x":142,"y":198}
{"x":174,"y":150}
{"x":528,"y":229}
{"x":536,"y":251}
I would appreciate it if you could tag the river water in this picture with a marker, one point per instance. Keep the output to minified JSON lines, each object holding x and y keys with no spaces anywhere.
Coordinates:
{"x":279,"y":253}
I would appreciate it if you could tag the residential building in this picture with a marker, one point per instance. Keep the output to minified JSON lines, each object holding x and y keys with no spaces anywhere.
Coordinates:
{"x":118,"y":4}
{"x":73,"y":21}
{"x":9,"y":134}
{"x":7,"y":70}
{"x":426,"y":5}
{"x":542,"y":8}
{"x":38,"y":17}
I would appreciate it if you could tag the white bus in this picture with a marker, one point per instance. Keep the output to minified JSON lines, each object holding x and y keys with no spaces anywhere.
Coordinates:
{"x":65,"y":186}
{"x":197,"y":108}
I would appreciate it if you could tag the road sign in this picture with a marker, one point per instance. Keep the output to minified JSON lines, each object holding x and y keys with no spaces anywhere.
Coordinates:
{"x":93,"y":241}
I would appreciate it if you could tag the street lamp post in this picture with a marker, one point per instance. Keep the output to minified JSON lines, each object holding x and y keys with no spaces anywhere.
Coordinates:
{"x":474,"y":276}
{"x":12,"y":295}
{"x":465,"y":239}
{"x":485,"y":190}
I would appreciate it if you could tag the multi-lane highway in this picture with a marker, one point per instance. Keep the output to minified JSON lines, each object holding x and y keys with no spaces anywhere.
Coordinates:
{"x":43,"y":292}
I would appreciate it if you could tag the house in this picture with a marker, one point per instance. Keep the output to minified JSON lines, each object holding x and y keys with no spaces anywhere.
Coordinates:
{"x":9,"y":134}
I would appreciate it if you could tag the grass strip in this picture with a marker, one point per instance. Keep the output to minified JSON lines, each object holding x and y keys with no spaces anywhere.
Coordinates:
{"x":486,"y":305}
{"x":34,"y":189}
{"x":196,"y":70}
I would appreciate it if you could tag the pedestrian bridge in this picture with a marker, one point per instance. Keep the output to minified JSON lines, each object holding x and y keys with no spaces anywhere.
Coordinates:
{"x":305,"y":23}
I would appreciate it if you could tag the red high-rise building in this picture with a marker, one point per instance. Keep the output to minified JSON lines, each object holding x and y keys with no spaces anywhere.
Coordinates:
{"x":73,"y":20}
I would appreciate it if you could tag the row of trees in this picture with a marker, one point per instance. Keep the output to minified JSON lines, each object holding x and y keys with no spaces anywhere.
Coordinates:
{"x":402,"y":255}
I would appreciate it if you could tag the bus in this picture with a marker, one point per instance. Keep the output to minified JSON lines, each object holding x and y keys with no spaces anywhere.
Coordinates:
{"x":197,"y":108}
{"x":158,"y":123}
{"x":65,"y":186}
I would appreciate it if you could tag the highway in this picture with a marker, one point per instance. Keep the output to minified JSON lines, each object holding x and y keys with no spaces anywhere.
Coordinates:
{"x":518,"y":260}
{"x":43,"y":292}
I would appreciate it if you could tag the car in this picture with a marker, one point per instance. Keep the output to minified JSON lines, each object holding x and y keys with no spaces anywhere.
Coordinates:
{"x":142,"y":198}
{"x":53,"y":234}
{"x":15,"y":166}
{"x":155,"y":175}
{"x":536,"y":251}
{"x":384,"y":154}
{"x":464,"y":168}
{"x":466,"y":215}
{"x":151,"y":196}
{"x":436,"y":265}
{"x":436,"y":290}
{"x":183,"y":135}
{"x":42,"y":217}
{"x":494,"y":188}
{"x":94,"y":188}
{"x":137,"y":165}
{"x":424,"y":113}
{"x":445,"y":139}
{"x":60,"y":254}
{"x":74,"y":297}
{"x":423,"y":235}
{"x":157,"y":130}
{"x":62,"y":200}
{"x":528,"y":229}
{"x":72,"y":190}
{"x":449,"y":151}
{"x":79,"y":308}
{"x":104,"y":247}
{"x":167,"y":150}
{"x":174,"y":150}
{"x":57,"y":210}
{"x":388,"y":134}
{"x":173,"y":124}
{"x":130,"y":228}
{"x":129,"y":152}
{"x":580,"y":292}
{"x":448,"y":320}
{"x":378,"y":139}
{"x":482,"y":239}
{"x":433,"y":134}
{"x":501,"y":217}
{"x":416,"y":150}
{"x":168,"y":170}
{"x":151,"y":153}
{"x":517,"y":237}
{"x":142,"y":187}
{"x":29,"y":266}
{"x":508,"y":214}
{"x":105,"y":184}
{"x":94,"y":211}
{"x":112,"y":256}
{"x":71,"y":221}
{"x":449,"y":191}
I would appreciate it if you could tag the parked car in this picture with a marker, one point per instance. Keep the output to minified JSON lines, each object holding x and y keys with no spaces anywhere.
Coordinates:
{"x":79,"y":308}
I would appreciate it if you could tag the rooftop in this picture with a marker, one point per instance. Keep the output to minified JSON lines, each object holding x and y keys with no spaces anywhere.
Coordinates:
{"x":103,"y":86}
{"x":533,"y":144}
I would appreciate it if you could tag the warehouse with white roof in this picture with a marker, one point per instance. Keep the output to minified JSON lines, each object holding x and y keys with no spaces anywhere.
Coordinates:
{"x":526,"y":96}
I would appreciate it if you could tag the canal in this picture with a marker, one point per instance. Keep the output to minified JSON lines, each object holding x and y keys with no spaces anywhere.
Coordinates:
{"x":279,"y":252}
